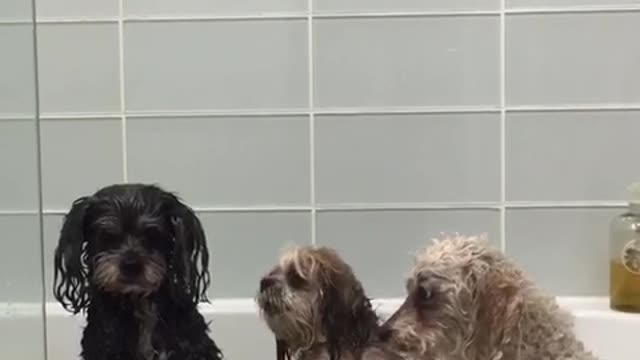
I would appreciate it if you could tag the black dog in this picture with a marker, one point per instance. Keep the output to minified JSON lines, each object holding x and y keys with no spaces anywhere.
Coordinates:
{"x":135,"y":259}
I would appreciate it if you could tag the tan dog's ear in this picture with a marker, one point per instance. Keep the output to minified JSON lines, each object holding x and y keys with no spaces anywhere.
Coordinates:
{"x":501,"y":306}
{"x":282,"y":350}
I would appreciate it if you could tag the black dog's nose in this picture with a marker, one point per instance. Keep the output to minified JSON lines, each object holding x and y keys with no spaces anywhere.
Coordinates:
{"x":131,"y":266}
{"x":266,"y":283}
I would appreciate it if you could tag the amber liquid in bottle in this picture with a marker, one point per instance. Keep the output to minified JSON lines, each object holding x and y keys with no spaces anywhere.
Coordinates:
{"x":624,"y":257}
{"x":625,"y":288}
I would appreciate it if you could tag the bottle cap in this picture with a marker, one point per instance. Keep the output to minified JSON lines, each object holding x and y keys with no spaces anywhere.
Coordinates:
{"x":634,"y":192}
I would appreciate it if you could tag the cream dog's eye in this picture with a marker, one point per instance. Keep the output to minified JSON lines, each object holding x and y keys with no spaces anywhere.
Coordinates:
{"x":424,"y":293}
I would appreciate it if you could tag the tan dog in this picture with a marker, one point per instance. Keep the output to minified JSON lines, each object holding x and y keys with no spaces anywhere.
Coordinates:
{"x":317,"y":309}
{"x":467,"y":301}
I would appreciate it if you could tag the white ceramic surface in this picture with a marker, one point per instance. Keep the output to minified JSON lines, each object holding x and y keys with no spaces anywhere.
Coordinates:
{"x":611,"y":335}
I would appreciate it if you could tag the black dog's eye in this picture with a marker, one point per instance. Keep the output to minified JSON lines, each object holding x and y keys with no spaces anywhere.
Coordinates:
{"x":295,"y":280}
{"x":108,"y":237}
{"x":153,"y":233}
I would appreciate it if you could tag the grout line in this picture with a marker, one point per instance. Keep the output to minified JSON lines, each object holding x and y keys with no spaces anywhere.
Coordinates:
{"x":218,"y":113}
{"x":575,"y":9}
{"x":220,"y":17}
{"x":123,"y":115}
{"x":334,"y":15}
{"x":565,"y":205}
{"x":18,"y":212}
{"x":222,"y":209}
{"x":378,"y":206}
{"x":406,"y":110}
{"x":381,"y":206}
{"x":15,"y":117}
{"x":312,"y":142}
{"x":408,"y":206}
{"x":572,"y":107}
{"x":326,"y":111}
{"x":403,"y":14}
{"x":503,"y":135}
{"x":38,"y":134}
{"x":80,"y":116}
{"x":253,"y":209}
{"x":79,"y":20}
{"x":15,"y":22}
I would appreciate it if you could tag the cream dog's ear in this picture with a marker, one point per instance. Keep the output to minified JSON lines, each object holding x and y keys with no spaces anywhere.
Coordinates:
{"x":501,"y":305}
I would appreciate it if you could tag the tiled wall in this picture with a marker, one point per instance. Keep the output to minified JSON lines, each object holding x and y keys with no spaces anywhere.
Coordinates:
{"x":367,"y":125}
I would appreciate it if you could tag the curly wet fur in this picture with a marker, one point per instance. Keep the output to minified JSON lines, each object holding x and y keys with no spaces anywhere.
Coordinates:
{"x":467,"y":301}
{"x":149,"y":328}
{"x":134,"y":258}
{"x":318,"y":310}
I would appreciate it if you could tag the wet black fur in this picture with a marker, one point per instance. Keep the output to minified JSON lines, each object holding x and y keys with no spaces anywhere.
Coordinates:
{"x":113,"y":321}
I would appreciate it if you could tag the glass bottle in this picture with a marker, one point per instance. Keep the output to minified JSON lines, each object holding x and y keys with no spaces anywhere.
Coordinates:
{"x":624,"y":256}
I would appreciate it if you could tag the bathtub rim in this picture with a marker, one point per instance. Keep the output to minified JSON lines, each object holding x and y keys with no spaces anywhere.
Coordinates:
{"x":589,"y":307}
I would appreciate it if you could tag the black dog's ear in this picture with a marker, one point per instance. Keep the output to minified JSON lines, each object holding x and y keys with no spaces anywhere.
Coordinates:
{"x":190,"y":260}
{"x":70,"y":281}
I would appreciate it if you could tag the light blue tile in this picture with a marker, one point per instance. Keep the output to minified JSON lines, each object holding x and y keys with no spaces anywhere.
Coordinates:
{"x":367,"y":239}
{"x":13,"y":10}
{"x":244,"y":64}
{"x":78,"y":67}
{"x":567,"y":3}
{"x":68,"y":9}
{"x":564,"y":250}
{"x":18,"y":164}
{"x":245,"y":246}
{"x":20,"y":276}
{"x":407,"y":158}
{"x":17,"y":88}
{"x":404,"y":5}
{"x":79,"y":157}
{"x":549,"y":61}
{"x":586,"y":155}
{"x":223,"y":161}
{"x":51,"y":226}
{"x":416,"y":61}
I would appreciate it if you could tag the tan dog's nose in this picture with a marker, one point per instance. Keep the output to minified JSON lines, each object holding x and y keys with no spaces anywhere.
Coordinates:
{"x":266,"y":283}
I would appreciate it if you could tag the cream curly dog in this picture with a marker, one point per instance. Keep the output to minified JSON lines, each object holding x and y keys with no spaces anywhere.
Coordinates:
{"x":467,"y":301}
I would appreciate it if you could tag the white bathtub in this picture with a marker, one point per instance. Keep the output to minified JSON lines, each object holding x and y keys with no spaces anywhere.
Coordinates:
{"x":611,"y":335}
{"x":242,"y":336}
